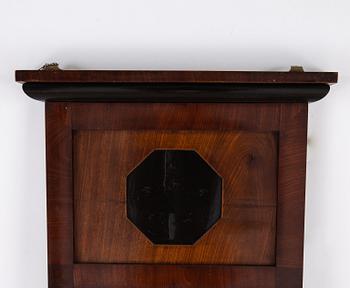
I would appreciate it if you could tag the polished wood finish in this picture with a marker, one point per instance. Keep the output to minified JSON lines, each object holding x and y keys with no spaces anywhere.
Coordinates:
{"x":154,"y":76}
{"x":111,"y":126}
{"x":175,"y":86}
{"x":259,"y":149}
{"x":291,"y":185}
{"x":179,"y":276}
{"x":176,"y":93}
{"x":189,"y":116}
{"x":246,"y":161}
{"x":59,"y":196}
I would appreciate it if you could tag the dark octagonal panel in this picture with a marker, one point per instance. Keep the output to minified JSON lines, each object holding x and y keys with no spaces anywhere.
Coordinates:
{"x":173,"y":197}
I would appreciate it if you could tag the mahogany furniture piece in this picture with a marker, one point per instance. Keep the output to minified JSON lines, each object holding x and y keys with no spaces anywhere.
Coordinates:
{"x":175,"y":178}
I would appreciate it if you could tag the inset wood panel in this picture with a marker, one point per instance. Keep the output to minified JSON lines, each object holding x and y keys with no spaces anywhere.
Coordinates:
{"x":246,"y":161}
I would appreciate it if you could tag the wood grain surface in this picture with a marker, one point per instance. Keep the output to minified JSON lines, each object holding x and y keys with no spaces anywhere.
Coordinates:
{"x":68,"y":121}
{"x":135,"y":76}
{"x":245,"y":234}
{"x":59,"y":196}
{"x":174,"y":276}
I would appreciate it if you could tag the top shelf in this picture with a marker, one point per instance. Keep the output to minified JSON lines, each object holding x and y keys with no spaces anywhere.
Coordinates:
{"x":174,"y":86}
{"x":151,"y":76}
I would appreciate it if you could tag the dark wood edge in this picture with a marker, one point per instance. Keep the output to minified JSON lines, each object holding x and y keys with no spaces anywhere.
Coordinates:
{"x":175,"y":92}
{"x":134,"y":76}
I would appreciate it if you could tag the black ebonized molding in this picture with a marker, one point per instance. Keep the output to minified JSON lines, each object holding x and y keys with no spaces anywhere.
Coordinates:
{"x":175,"y":92}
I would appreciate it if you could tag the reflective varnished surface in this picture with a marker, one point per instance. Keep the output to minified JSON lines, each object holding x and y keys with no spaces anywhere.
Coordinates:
{"x":173,"y":197}
{"x":175,"y":86}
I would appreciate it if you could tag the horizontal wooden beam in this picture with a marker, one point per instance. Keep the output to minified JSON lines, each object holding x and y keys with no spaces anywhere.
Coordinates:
{"x":175,"y":86}
{"x":132,"y":76}
{"x":176,"y":93}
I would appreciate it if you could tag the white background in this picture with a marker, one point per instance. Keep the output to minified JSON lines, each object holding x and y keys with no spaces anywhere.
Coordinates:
{"x":177,"y":34}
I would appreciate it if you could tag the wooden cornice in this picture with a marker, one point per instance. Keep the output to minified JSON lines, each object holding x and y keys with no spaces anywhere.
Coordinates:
{"x":175,"y":86}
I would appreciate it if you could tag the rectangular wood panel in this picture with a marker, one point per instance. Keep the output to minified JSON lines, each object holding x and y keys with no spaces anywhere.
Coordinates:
{"x":74,"y":127}
{"x":246,"y":232}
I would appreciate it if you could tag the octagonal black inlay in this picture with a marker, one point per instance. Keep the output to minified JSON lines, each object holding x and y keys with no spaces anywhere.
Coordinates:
{"x":173,"y":196}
